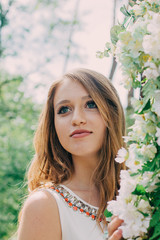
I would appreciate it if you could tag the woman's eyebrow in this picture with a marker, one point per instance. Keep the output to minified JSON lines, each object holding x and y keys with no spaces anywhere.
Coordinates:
{"x":68,"y":101}
{"x":62,"y":102}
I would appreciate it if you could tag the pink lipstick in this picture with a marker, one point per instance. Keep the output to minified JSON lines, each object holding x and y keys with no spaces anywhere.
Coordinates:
{"x":80,"y":133}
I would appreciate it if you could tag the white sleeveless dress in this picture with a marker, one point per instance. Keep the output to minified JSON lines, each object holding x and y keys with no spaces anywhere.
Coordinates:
{"x":77,"y":217}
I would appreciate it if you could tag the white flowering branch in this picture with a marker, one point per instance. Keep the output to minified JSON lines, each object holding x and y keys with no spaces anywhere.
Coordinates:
{"x":136,"y":45}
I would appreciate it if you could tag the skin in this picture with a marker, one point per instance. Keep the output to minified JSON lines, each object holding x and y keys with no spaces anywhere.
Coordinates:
{"x":113,"y":231}
{"x":74,"y":109}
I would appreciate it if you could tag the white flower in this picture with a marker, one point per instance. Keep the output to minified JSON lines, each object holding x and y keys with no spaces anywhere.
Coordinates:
{"x":122,"y":155}
{"x":151,"y":42}
{"x":148,"y":151}
{"x":127,"y":184}
{"x":126,"y":81}
{"x":125,"y":37}
{"x":158,"y":135}
{"x":148,"y":180}
{"x":141,"y":127}
{"x":137,"y":228}
{"x":144,"y":206}
{"x":135,"y":224}
{"x":156,"y":104}
{"x":137,"y":10}
{"x":150,"y":116}
{"x":134,"y":162}
{"x":152,"y":71}
{"x":152,"y":184}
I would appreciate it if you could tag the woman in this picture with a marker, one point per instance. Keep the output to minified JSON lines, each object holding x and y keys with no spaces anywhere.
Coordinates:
{"x":73,"y":173}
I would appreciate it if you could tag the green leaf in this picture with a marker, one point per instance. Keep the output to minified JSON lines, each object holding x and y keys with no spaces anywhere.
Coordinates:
{"x":99,"y":54}
{"x":124,"y":11}
{"x":145,"y":107}
{"x":139,"y":190}
{"x":156,"y":233}
{"x":132,"y":3}
{"x":107,"y":214}
{"x":155,"y":219}
{"x":149,"y":166}
{"x":115,"y":31}
{"x":144,"y":214}
{"x":125,"y":20}
{"x":157,"y":202}
{"x":106,"y":54}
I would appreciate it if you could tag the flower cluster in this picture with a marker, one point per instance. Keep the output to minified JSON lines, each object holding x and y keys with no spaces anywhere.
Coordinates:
{"x":135,"y":45}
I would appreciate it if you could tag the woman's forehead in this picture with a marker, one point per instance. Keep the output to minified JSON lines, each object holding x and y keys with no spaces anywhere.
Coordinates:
{"x":70,"y":88}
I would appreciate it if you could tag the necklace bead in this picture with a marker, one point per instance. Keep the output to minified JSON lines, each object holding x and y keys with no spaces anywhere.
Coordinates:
{"x":75,"y":203}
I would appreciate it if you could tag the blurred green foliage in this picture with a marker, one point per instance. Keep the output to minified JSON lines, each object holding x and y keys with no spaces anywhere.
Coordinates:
{"x":18,"y":119}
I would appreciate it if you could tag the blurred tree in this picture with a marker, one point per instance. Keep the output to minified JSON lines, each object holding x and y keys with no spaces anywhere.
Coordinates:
{"x":44,"y":29}
{"x":3,"y":21}
{"x":18,"y":120}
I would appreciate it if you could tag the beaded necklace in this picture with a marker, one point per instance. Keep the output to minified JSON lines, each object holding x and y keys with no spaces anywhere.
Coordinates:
{"x":75,"y":203}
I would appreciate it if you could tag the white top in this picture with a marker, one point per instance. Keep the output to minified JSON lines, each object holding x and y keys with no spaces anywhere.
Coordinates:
{"x":74,"y":224}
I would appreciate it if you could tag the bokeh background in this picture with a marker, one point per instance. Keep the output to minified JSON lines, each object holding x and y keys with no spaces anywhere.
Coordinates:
{"x":39,"y":41}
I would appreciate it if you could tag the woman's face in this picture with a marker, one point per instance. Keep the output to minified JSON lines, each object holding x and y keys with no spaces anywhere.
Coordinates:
{"x":78,"y":123}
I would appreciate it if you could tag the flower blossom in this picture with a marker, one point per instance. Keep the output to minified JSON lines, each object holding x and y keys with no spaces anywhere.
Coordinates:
{"x":156,"y":104}
{"x":122,"y":155}
{"x":151,"y":42}
{"x":152,"y":72}
{"x":148,"y":180}
{"x":135,"y":224}
{"x":158,"y":135}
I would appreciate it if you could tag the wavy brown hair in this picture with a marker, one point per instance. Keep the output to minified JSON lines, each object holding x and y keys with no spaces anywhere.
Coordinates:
{"x":52,"y":163}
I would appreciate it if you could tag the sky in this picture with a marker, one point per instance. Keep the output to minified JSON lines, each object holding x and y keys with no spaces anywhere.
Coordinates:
{"x":96,"y":18}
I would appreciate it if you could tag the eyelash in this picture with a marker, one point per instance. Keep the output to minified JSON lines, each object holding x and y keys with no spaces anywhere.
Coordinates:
{"x":60,"y":111}
{"x":91,"y":102}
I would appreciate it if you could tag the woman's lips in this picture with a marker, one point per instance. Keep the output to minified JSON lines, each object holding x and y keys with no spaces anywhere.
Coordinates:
{"x":80,"y":133}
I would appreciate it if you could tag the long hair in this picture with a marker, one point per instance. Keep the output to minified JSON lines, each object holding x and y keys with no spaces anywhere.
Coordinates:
{"x":52,"y":163}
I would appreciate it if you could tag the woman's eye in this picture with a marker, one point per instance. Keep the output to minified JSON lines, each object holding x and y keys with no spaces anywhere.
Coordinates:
{"x":91,"y":104}
{"x":63,"y":110}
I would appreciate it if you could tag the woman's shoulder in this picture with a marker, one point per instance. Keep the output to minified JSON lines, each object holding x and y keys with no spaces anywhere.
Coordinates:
{"x":40,"y":217}
{"x":39,"y":198}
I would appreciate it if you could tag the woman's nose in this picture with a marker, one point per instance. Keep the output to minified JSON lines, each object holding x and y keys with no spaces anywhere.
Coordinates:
{"x":78,"y":117}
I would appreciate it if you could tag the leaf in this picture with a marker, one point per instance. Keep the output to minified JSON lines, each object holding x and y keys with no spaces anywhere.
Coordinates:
{"x":139,"y":190}
{"x":157,"y":202}
{"x":99,"y":54}
{"x":156,"y":233}
{"x":106,"y":54}
{"x":155,"y":218}
{"x":115,"y":31}
{"x":107,"y":214}
{"x":146,"y":105}
{"x":125,"y":20}
{"x":124,"y":11}
{"x":132,"y":2}
{"x":149,"y":166}
{"x":144,"y":214}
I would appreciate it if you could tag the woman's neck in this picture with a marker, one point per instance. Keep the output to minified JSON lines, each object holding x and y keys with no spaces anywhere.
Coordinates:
{"x":84,"y":168}
{"x":82,"y":182}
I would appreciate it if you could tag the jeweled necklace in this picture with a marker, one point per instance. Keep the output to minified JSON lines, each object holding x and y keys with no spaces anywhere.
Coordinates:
{"x":75,"y":203}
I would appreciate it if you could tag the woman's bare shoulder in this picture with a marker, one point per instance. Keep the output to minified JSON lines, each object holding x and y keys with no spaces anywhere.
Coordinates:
{"x":40,"y":218}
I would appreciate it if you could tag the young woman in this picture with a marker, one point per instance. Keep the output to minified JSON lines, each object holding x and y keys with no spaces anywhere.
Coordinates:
{"x":73,"y":173}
